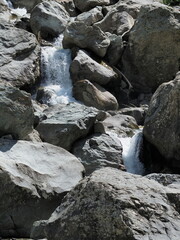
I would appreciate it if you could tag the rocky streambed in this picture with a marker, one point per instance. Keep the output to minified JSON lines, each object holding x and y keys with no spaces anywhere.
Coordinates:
{"x":77,"y":80}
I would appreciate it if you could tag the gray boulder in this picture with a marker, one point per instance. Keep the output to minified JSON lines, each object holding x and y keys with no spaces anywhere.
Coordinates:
{"x":16,"y":111}
{"x":19,"y":58}
{"x":153,"y":51}
{"x":111,"y":204}
{"x":88,"y":4}
{"x":67,"y":123}
{"x":118,"y":125}
{"x":49,"y":18}
{"x":92,"y":94}
{"x":162,"y":123}
{"x":83,"y":36}
{"x":34,"y":177}
{"x":116,"y":22}
{"x":97,"y":151}
{"x":84,"y":67}
{"x":90,"y":17}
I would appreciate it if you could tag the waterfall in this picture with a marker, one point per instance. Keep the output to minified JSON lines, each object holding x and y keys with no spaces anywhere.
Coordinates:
{"x":131,"y":151}
{"x":56,"y":81}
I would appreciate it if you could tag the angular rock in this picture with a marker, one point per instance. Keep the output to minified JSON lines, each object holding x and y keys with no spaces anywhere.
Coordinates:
{"x":162,"y":122}
{"x":84,"y":67}
{"x":69,"y":6}
{"x":88,"y":4}
{"x":90,"y":17}
{"x":92,"y":94}
{"x":49,"y":19}
{"x":111,"y":204}
{"x":117,"y":125}
{"x":83,"y":36}
{"x":19,"y":58}
{"x":34,"y":177}
{"x":148,"y":61}
{"x":116,"y":22}
{"x":65,"y":124}
{"x":16,"y":111}
{"x":97,"y":151}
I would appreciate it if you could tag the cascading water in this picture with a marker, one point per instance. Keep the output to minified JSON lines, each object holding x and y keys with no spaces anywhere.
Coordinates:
{"x":56,"y":79}
{"x":131,"y":152}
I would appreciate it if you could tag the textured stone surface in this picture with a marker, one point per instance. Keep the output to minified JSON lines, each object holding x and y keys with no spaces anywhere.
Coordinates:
{"x":93,"y":95}
{"x":19,"y":58}
{"x":84,"y":67}
{"x":97,"y":151}
{"x":33,"y":179}
{"x":49,"y":19}
{"x":162,"y":123}
{"x":16,"y":111}
{"x":120,"y":125}
{"x":88,"y":4}
{"x":66,"y":124}
{"x":153,"y":51}
{"x":111,"y":204}
{"x":83,"y":36}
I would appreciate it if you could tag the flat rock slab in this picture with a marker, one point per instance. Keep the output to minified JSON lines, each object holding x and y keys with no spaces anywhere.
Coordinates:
{"x":65,"y":124}
{"x":34,"y":177}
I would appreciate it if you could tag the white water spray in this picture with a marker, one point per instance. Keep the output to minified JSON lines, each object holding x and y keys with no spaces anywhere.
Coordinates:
{"x":56,"y":80}
{"x":131,"y":152}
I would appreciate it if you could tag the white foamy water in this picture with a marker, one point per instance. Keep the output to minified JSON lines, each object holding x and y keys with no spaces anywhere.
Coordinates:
{"x":56,"y":79}
{"x":131,"y":151}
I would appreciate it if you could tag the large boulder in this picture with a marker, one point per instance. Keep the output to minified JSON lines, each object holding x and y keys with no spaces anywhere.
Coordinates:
{"x":162,"y":122}
{"x":93,"y":95}
{"x":111,"y":204}
{"x":34,"y":177}
{"x":97,"y":151}
{"x":116,"y":22}
{"x":84,"y":67}
{"x":49,"y":19}
{"x":16,"y":111}
{"x":153,"y":51}
{"x":19,"y":58}
{"x":67,"y":123}
{"x":87,"y":37}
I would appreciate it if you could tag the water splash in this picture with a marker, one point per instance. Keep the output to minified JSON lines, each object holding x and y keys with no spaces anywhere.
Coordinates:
{"x":56,"y":79}
{"x":131,"y":152}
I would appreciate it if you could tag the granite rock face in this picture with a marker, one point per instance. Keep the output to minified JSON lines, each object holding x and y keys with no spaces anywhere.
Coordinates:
{"x":162,"y":122}
{"x":111,"y":204}
{"x":153,"y":51}
{"x":19,"y":58}
{"x":34,"y":178}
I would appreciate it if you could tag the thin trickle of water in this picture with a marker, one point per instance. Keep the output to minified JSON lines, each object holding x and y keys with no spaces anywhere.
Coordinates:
{"x":131,"y":152}
{"x":56,"y":79}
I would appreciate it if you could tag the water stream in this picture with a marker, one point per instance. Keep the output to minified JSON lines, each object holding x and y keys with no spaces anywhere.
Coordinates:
{"x":56,"y":81}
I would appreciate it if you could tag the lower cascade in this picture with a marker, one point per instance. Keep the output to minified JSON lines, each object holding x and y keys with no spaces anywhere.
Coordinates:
{"x":56,"y":81}
{"x":131,"y":153}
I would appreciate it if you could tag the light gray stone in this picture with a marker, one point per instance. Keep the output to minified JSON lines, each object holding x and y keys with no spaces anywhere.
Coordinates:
{"x":88,"y":4}
{"x":111,"y":204}
{"x":49,"y":18}
{"x":83,"y":36}
{"x":153,"y":51}
{"x":67,"y":123}
{"x":34,"y":177}
{"x":19,"y":58}
{"x":84,"y":67}
{"x":97,"y":151}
